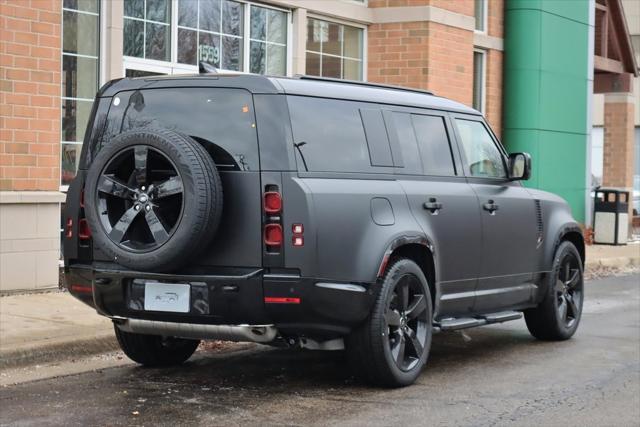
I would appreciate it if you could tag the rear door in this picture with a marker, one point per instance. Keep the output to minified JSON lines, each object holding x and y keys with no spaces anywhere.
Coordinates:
{"x":223,"y":121}
{"x":441,"y":200}
{"x":510,"y":245}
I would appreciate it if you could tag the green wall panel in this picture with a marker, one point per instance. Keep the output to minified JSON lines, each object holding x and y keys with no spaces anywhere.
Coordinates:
{"x":546,"y":92}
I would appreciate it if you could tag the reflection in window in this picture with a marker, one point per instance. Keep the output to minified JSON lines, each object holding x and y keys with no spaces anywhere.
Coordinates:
{"x":483,"y":158}
{"x":80,"y":78}
{"x":268,"y":38}
{"x":334,"y":50}
{"x":211,"y":31}
{"x":147,"y":29}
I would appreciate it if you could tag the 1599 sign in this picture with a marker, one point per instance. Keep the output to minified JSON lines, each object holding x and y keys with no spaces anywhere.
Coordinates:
{"x":210,"y":54}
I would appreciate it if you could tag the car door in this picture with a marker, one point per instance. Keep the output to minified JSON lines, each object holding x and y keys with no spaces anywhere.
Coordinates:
{"x":442,"y":202}
{"x":510,"y":241}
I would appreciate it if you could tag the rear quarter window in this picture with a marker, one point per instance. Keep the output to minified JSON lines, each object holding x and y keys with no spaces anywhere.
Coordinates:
{"x":329,"y":135}
{"x":222,"y":119}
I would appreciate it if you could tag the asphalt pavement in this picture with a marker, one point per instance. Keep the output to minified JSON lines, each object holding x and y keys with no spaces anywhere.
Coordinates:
{"x":493,"y":375}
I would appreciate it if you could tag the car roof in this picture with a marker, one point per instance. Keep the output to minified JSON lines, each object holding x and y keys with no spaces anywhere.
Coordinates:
{"x":299,"y":85}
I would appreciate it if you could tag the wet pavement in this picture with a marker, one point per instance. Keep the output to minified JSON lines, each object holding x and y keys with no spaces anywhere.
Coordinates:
{"x":494,"y":375}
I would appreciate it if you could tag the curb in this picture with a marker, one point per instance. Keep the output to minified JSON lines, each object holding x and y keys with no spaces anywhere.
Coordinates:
{"x":60,"y":351}
{"x":618,"y":262}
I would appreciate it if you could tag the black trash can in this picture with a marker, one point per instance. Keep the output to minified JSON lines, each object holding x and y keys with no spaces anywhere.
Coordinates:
{"x":611,"y":216}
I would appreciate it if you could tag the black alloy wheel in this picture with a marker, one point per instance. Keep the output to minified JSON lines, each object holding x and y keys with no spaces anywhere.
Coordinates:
{"x":406,"y":318}
{"x":558,"y":315}
{"x":153,"y":199}
{"x":140,"y":198}
{"x":391,"y":346}
{"x":568,"y":288}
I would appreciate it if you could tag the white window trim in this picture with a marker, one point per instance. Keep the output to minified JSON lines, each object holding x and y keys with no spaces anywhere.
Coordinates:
{"x":102,"y":72}
{"x":483,"y":91}
{"x":485,"y":18}
{"x":174,"y":67}
{"x":364,"y":29}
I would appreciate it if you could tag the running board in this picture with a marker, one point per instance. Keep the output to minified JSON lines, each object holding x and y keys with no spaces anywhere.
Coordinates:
{"x":454,"y":323}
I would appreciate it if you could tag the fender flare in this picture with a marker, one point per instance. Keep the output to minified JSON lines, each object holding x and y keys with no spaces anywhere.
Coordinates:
{"x":399,"y":241}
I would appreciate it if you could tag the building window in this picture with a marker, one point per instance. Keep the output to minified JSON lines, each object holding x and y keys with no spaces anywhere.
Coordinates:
{"x":230,"y":35}
{"x":481,"y":15}
{"x":80,"y":77}
{"x":268,"y":41}
{"x":479,"y":79}
{"x":211,"y":31}
{"x":334,"y":50}
{"x":147,"y":29}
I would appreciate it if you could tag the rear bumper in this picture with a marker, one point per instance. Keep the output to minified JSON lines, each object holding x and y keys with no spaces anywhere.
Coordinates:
{"x":294,"y":304}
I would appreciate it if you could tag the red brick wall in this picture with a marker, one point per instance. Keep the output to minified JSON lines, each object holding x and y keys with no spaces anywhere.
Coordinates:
{"x":423,"y":55}
{"x":30,"y":94}
{"x":436,"y":57}
{"x":465,"y":7}
{"x":618,"y":144}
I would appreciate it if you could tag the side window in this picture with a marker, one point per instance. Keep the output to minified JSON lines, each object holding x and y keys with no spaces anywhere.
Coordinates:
{"x":402,"y":135}
{"x":483,"y":158}
{"x":329,"y":135}
{"x":434,"y":146}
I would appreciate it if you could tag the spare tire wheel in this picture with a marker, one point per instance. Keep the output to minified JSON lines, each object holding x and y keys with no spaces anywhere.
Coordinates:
{"x":153,"y":198}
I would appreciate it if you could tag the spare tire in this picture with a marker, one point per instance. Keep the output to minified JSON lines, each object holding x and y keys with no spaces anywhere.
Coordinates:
{"x":153,"y":198}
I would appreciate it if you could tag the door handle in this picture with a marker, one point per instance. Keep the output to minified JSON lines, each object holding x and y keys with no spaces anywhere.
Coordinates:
{"x":432,"y":206}
{"x":490,"y":206}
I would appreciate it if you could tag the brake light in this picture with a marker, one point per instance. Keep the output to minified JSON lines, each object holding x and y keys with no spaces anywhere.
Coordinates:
{"x":272,"y":202}
{"x":84,"y":232}
{"x":69,"y":228}
{"x":273,"y":235}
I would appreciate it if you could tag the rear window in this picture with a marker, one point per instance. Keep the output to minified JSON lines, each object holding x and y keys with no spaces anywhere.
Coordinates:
{"x":329,"y":136}
{"x":222,"y":117}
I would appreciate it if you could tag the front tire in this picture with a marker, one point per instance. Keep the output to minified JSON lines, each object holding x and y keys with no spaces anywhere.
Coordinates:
{"x":391,"y":347}
{"x":154,"y":350}
{"x":557,"y":317}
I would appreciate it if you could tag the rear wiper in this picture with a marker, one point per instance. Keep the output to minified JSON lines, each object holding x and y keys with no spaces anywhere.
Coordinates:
{"x":298,"y":145}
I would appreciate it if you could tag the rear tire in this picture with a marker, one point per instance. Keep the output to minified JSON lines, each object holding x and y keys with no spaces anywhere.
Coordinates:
{"x":557,"y":317}
{"x":154,"y":350}
{"x":391,"y":347}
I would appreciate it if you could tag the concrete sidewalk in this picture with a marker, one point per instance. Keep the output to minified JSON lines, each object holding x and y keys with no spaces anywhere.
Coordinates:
{"x":46,"y":327}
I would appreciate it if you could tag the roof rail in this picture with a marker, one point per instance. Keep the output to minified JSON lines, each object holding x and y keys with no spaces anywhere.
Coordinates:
{"x":360,"y":83}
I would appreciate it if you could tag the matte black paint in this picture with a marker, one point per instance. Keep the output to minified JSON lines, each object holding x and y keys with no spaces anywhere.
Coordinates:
{"x":484,"y":260}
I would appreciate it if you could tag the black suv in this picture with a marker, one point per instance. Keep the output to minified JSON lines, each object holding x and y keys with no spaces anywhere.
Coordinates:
{"x":312,"y":213}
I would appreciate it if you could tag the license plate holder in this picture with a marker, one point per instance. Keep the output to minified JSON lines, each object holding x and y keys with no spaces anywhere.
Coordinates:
{"x":167,"y":297}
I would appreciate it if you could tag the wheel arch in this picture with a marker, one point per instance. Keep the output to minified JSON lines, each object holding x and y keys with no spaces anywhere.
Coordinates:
{"x":420,"y":250}
{"x":573,"y":234}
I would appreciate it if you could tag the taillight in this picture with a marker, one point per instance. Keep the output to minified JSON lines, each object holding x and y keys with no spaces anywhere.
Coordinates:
{"x":272,"y":202}
{"x":69,"y":228}
{"x":273,"y":235}
{"x":84,"y":232}
{"x":272,"y":205}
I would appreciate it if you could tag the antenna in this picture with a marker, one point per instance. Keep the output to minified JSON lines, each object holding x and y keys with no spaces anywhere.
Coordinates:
{"x":206,"y":68}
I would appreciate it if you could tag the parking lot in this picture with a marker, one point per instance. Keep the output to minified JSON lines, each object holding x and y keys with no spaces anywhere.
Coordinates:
{"x":488,"y":376}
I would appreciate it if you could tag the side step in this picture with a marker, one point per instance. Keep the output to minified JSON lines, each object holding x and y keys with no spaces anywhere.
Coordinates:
{"x":454,"y":323}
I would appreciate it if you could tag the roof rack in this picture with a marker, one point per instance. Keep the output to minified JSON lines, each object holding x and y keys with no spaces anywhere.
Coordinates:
{"x":360,"y":83}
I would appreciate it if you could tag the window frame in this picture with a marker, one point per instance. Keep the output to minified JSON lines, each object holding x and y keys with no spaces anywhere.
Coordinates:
{"x":463,"y":157}
{"x":174,"y":67}
{"x":485,"y":18}
{"x":483,"y":78}
{"x":343,"y":22}
{"x":101,"y":69}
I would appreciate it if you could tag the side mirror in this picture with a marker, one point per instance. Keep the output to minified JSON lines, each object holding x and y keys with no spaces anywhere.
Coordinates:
{"x":519,"y":166}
